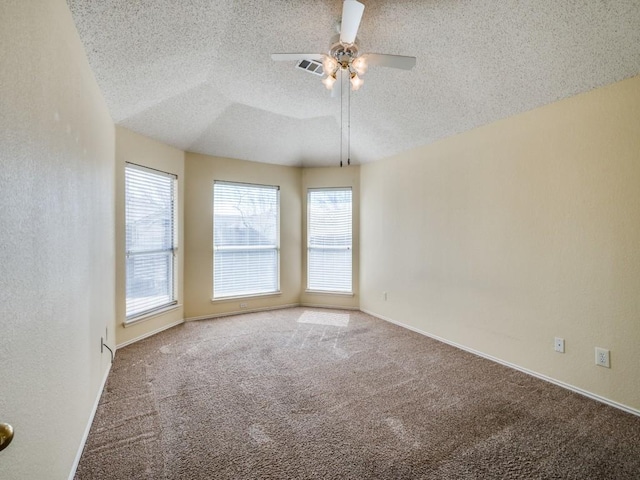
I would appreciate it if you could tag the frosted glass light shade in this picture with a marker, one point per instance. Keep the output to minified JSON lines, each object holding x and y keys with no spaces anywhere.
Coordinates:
{"x":329,"y":81}
{"x":360,"y":65}
{"x":356,"y":82}
{"x":330,"y":65}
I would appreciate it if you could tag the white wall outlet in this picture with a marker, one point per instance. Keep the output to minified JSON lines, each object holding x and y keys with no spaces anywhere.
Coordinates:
{"x":244,"y":305}
{"x":558,"y":344}
{"x":603,"y":357}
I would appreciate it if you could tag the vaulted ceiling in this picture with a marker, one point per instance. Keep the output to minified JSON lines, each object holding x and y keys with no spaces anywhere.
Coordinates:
{"x":197,"y":74}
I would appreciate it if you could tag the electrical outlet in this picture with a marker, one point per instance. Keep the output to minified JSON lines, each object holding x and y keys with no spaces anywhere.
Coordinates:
{"x":603,"y":357}
{"x":384,"y":296}
{"x":243,"y":305}
{"x":558,"y":345}
{"x":101,"y":344}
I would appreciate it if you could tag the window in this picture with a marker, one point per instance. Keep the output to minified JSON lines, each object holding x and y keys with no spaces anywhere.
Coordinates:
{"x":246,"y":239}
{"x":150,"y":239}
{"x":329,"y":240}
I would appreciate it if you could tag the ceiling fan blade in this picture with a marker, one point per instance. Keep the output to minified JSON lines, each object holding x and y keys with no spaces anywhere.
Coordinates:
{"x":392,"y":61}
{"x":286,"y":57}
{"x":351,"y":16}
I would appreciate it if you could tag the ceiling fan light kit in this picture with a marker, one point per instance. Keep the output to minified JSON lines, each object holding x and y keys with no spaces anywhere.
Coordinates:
{"x":344,"y":57}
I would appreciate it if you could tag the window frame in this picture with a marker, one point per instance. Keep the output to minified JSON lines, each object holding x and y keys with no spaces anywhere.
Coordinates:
{"x":246,"y":248}
{"x":310,"y":289}
{"x":172,"y":251}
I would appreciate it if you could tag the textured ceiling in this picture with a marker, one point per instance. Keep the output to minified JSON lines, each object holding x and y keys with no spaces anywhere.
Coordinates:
{"x":197,"y":74}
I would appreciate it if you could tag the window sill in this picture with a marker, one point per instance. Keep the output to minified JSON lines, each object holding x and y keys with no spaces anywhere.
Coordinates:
{"x":241,"y":297}
{"x":150,"y":315}
{"x":328,"y":292}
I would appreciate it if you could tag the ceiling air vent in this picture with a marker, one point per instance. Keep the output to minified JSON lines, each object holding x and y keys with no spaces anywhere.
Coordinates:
{"x":311,"y":66}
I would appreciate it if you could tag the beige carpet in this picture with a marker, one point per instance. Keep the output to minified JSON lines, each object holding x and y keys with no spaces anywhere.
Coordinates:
{"x":323,"y":394}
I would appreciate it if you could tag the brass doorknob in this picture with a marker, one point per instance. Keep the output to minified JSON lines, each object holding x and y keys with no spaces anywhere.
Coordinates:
{"x":6,"y":435}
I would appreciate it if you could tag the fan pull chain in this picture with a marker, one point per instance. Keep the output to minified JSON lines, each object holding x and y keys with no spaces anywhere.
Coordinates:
{"x":341,"y":121}
{"x":349,"y":127}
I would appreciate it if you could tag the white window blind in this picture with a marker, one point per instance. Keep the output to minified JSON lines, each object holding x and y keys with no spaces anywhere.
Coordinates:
{"x":150,"y":239}
{"x":246,"y":239}
{"x":329,"y":240}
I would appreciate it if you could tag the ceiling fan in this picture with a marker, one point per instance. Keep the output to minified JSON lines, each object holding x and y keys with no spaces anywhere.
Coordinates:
{"x":344,"y":55}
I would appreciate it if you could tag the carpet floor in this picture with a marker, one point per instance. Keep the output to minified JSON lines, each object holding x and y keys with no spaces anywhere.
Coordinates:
{"x":325,"y":394}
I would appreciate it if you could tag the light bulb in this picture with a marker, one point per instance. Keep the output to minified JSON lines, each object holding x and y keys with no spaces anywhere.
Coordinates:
{"x":356,"y":81}
{"x":360,"y":65}
{"x":328,"y":81}
{"x":329,"y":64}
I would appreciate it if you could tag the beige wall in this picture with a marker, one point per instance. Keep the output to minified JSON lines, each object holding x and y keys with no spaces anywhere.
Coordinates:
{"x":506,"y":236}
{"x":56,"y":238}
{"x":331,"y":177}
{"x":201,"y":171}
{"x":134,"y":148}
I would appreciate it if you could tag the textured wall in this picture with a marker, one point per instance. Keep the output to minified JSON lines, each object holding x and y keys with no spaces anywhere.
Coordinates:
{"x":506,"y":236}
{"x":135,"y":148}
{"x":56,"y":238}
{"x":332,"y":177}
{"x":201,"y":171}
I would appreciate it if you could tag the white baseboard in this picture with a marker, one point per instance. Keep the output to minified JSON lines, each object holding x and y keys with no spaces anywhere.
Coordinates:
{"x":94,"y":409}
{"x":568,"y":386}
{"x":148,"y":334}
{"x":240,"y":312}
